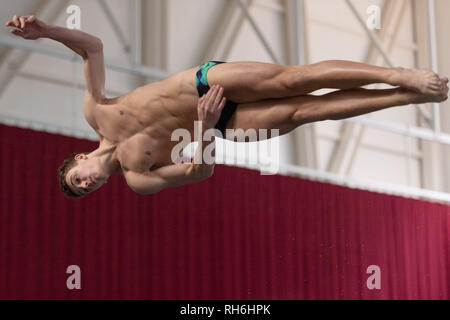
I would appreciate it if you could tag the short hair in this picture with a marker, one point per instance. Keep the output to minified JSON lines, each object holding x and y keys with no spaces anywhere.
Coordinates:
{"x":68,"y":164}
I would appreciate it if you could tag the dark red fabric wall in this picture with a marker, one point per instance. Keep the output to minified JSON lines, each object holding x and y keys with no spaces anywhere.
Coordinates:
{"x":238,"y":235}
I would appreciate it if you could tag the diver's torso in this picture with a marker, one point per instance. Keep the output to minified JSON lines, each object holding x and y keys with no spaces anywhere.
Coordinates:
{"x":141,"y":122}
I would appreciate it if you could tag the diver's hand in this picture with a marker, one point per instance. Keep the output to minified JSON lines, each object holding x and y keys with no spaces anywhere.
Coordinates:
{"x":210,"y":106}
{"x":27,"y":27}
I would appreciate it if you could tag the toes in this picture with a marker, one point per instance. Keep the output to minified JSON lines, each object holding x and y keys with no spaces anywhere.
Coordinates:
{"x":436,"y":80}
{"x":435,"y":89}
{"x":432,"y":74}
{"x":435,"y":85}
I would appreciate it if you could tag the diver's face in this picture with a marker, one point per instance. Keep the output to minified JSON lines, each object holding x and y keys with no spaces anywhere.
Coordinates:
{"x":86,"y":176}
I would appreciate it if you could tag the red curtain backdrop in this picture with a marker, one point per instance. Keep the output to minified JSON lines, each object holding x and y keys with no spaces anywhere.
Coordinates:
{"x":238,"y":235}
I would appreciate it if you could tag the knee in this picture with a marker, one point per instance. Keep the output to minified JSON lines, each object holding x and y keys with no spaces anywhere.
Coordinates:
{"x":302,"y":116}
{"x":295,"y":77}
{"x":311,"y":109}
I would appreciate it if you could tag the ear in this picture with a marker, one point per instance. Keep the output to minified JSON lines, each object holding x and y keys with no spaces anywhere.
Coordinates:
{"x":81,"y":157}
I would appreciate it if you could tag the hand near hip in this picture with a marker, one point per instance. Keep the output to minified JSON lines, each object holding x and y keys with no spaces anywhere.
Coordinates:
{"x":210,"y":106}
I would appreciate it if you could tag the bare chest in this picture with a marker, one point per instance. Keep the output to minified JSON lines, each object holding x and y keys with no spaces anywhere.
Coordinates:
{"x":141,"y":153}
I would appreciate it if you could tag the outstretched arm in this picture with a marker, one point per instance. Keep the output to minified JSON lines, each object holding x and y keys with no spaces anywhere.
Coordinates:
{"x":209,"y":109}
{"x":89,"y":47}
{"x":162,"y":178}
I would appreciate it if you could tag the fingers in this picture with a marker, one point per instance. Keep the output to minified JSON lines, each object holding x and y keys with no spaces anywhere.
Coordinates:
{"x":22,"y":22}
{"x":17,"y":32}
{"x":16,"y":21}
{"x":201,"y":101}
{"x":222,"y":103}
{"x":213,"y":99}
{"x":210,"y":96}
{"x":215,"y":94}
{"x":218,"y":97}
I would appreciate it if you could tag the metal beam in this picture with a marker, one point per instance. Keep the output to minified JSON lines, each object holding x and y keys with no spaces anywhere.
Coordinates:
{"x":303,"y":138}
{"x":258,"y":31}
{"x":36,"y":47}
{"x":440,"y":163}
{"x":295,"y":32}
{"x":373,"y":38}
{"x":115,"y":25}
{"x":228,"y":26}
{"x":136,"y":39}
{"x":63,"y":82}
{"x":432,"y":161}
{"x":154,"y":17}
{"x":402,"y":129}
{"x":135,"y":17}
{"x":432,"y":43}
{"x":287,"y":144}
{"x":417,"y":154}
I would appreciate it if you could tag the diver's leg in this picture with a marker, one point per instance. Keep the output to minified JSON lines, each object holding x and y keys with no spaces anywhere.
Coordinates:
{"x":289,"y":113}
{"x":255,"y":81}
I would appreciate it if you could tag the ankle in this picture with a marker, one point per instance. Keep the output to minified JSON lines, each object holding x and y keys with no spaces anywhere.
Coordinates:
{"x":409,"y":97}
{"x":395,"y":76}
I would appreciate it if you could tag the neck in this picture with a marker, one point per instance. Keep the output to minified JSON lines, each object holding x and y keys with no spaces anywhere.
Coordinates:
{"x":107,"y":158}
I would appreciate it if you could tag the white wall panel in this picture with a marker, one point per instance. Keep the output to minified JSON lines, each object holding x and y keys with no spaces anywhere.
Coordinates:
{"x":382,"y":166}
